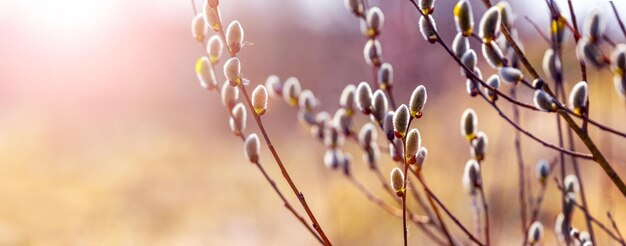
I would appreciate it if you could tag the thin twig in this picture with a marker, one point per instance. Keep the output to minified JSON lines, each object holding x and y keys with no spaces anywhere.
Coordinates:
{"x":594,"y":220}
{"x":521,"y":169}
{"x":619,"y":234}
{"x":527,"y":133}
{"x":276,"y":189}
{"x":445,"y":209}
{"x":283,"y":170}
{"x":444,"y":228}
{"x":286,"y":203}
{"x":406,"y":175}
{"x":619,"y":20}
{"x":483,"y":199}
{"x":537,"y":29}
{"x":583,"y":71}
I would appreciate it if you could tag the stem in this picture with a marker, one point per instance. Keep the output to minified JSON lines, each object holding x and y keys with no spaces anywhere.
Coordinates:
{"x":284,"y":172}
{"x":583,"y":72}
{"x":619,"y":20}
{"x":484,"y":202}
{"x":276,"y":189}
{"x":619,"y":234}
{"x":527,"y":133}
{"x":558,"y":84}
{"x":406,"y":175}
{"x":286,"y":203}
{"x":594,"y":220}
{"x":437,"y":213}
{"x":584,"y":137}
{"x":404,"y":218}
{"x":521,"y":169}
{"x":456,"y":221}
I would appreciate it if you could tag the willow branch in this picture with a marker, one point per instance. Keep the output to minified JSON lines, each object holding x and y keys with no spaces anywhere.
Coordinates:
{"x":594,"y":220}
{"x":619,"y":20}
{"x":445,"y":209}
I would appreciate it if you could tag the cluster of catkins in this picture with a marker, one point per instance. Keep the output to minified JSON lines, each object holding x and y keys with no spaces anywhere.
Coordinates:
{"x":562,"y":226}
{"x":496,"y":51}
{"x":588,"y":49}
{"x":472,"y":180}
{"x":371,"y":24}
{"x":211,"y":18}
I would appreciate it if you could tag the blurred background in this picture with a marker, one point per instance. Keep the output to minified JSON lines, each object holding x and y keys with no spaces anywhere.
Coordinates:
{"x":106,"y":137}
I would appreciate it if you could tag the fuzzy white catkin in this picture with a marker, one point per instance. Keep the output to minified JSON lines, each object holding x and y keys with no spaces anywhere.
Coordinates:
{"x":372,"y":52}
{"x":229,"y":95}
{"x":558,"y":225}
{"x":510,"y":74}
{"x":543,"y":101}
{"x":417,"y":101}
{"x":346,"y":100}
{"x":198,"y":27}
{"x":367,"y":135}
{"x":578,"y":97}
{"x":364,"y":97}
{"x":463,"y":17}
{"x":618,"y":60}
{"x":551,"y":65}
{"x":388,"y":125}
{"x":341,"y":120}
{"x":212,"y":17}
{"x":371,"y":155}
{"x":274,"y":87}
{"x":385,"y":76}
{"x":460,"y":44}
{"x":413,"y":143}
{"x":618,"y":66}
{"x":571,"y":183}
{"x":259,"y":99}
{"x":380,"y":106}
{"x":469,"y":123}
{"x":397,"y":181}
{"x":493,"y":81}
{"x":429,"y":31}
{"x":375,"y":21}
{"x":479,"y":146}
{"x":427,"y":6}
{"x":214,"y":48}
{"x":252,"y":148}
{"x":307,"y":101}
{"x":469,"y":59}
{"x":506,"y":16}
{"x":401,"y":121}
{"x":589,"y":52}
{"x":333,"y":158}
{"x":238,"y":119}
{"x":492,"y":54}
{"x":421,"y":156}
{"x":594,"y":25}
{"x":234,"y":37}
{"x":489,"y":24}
{"x":213,"y":3}
{"x":232,"y":70}
{"x":355,"y":6}
{"x":395,"y":149}
{"x":291,"y":91}
{"x":535,"y":233}
{"x":471,"y":177}
{"x":205,"y":73}
{"x":543,"y":170}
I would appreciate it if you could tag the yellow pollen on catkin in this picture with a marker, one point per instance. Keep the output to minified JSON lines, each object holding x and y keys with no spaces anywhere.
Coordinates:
{"x":293,"y":101}
{"x":457,"y":10}
{"x":199,"y":65}
{"x":214,"y":59}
